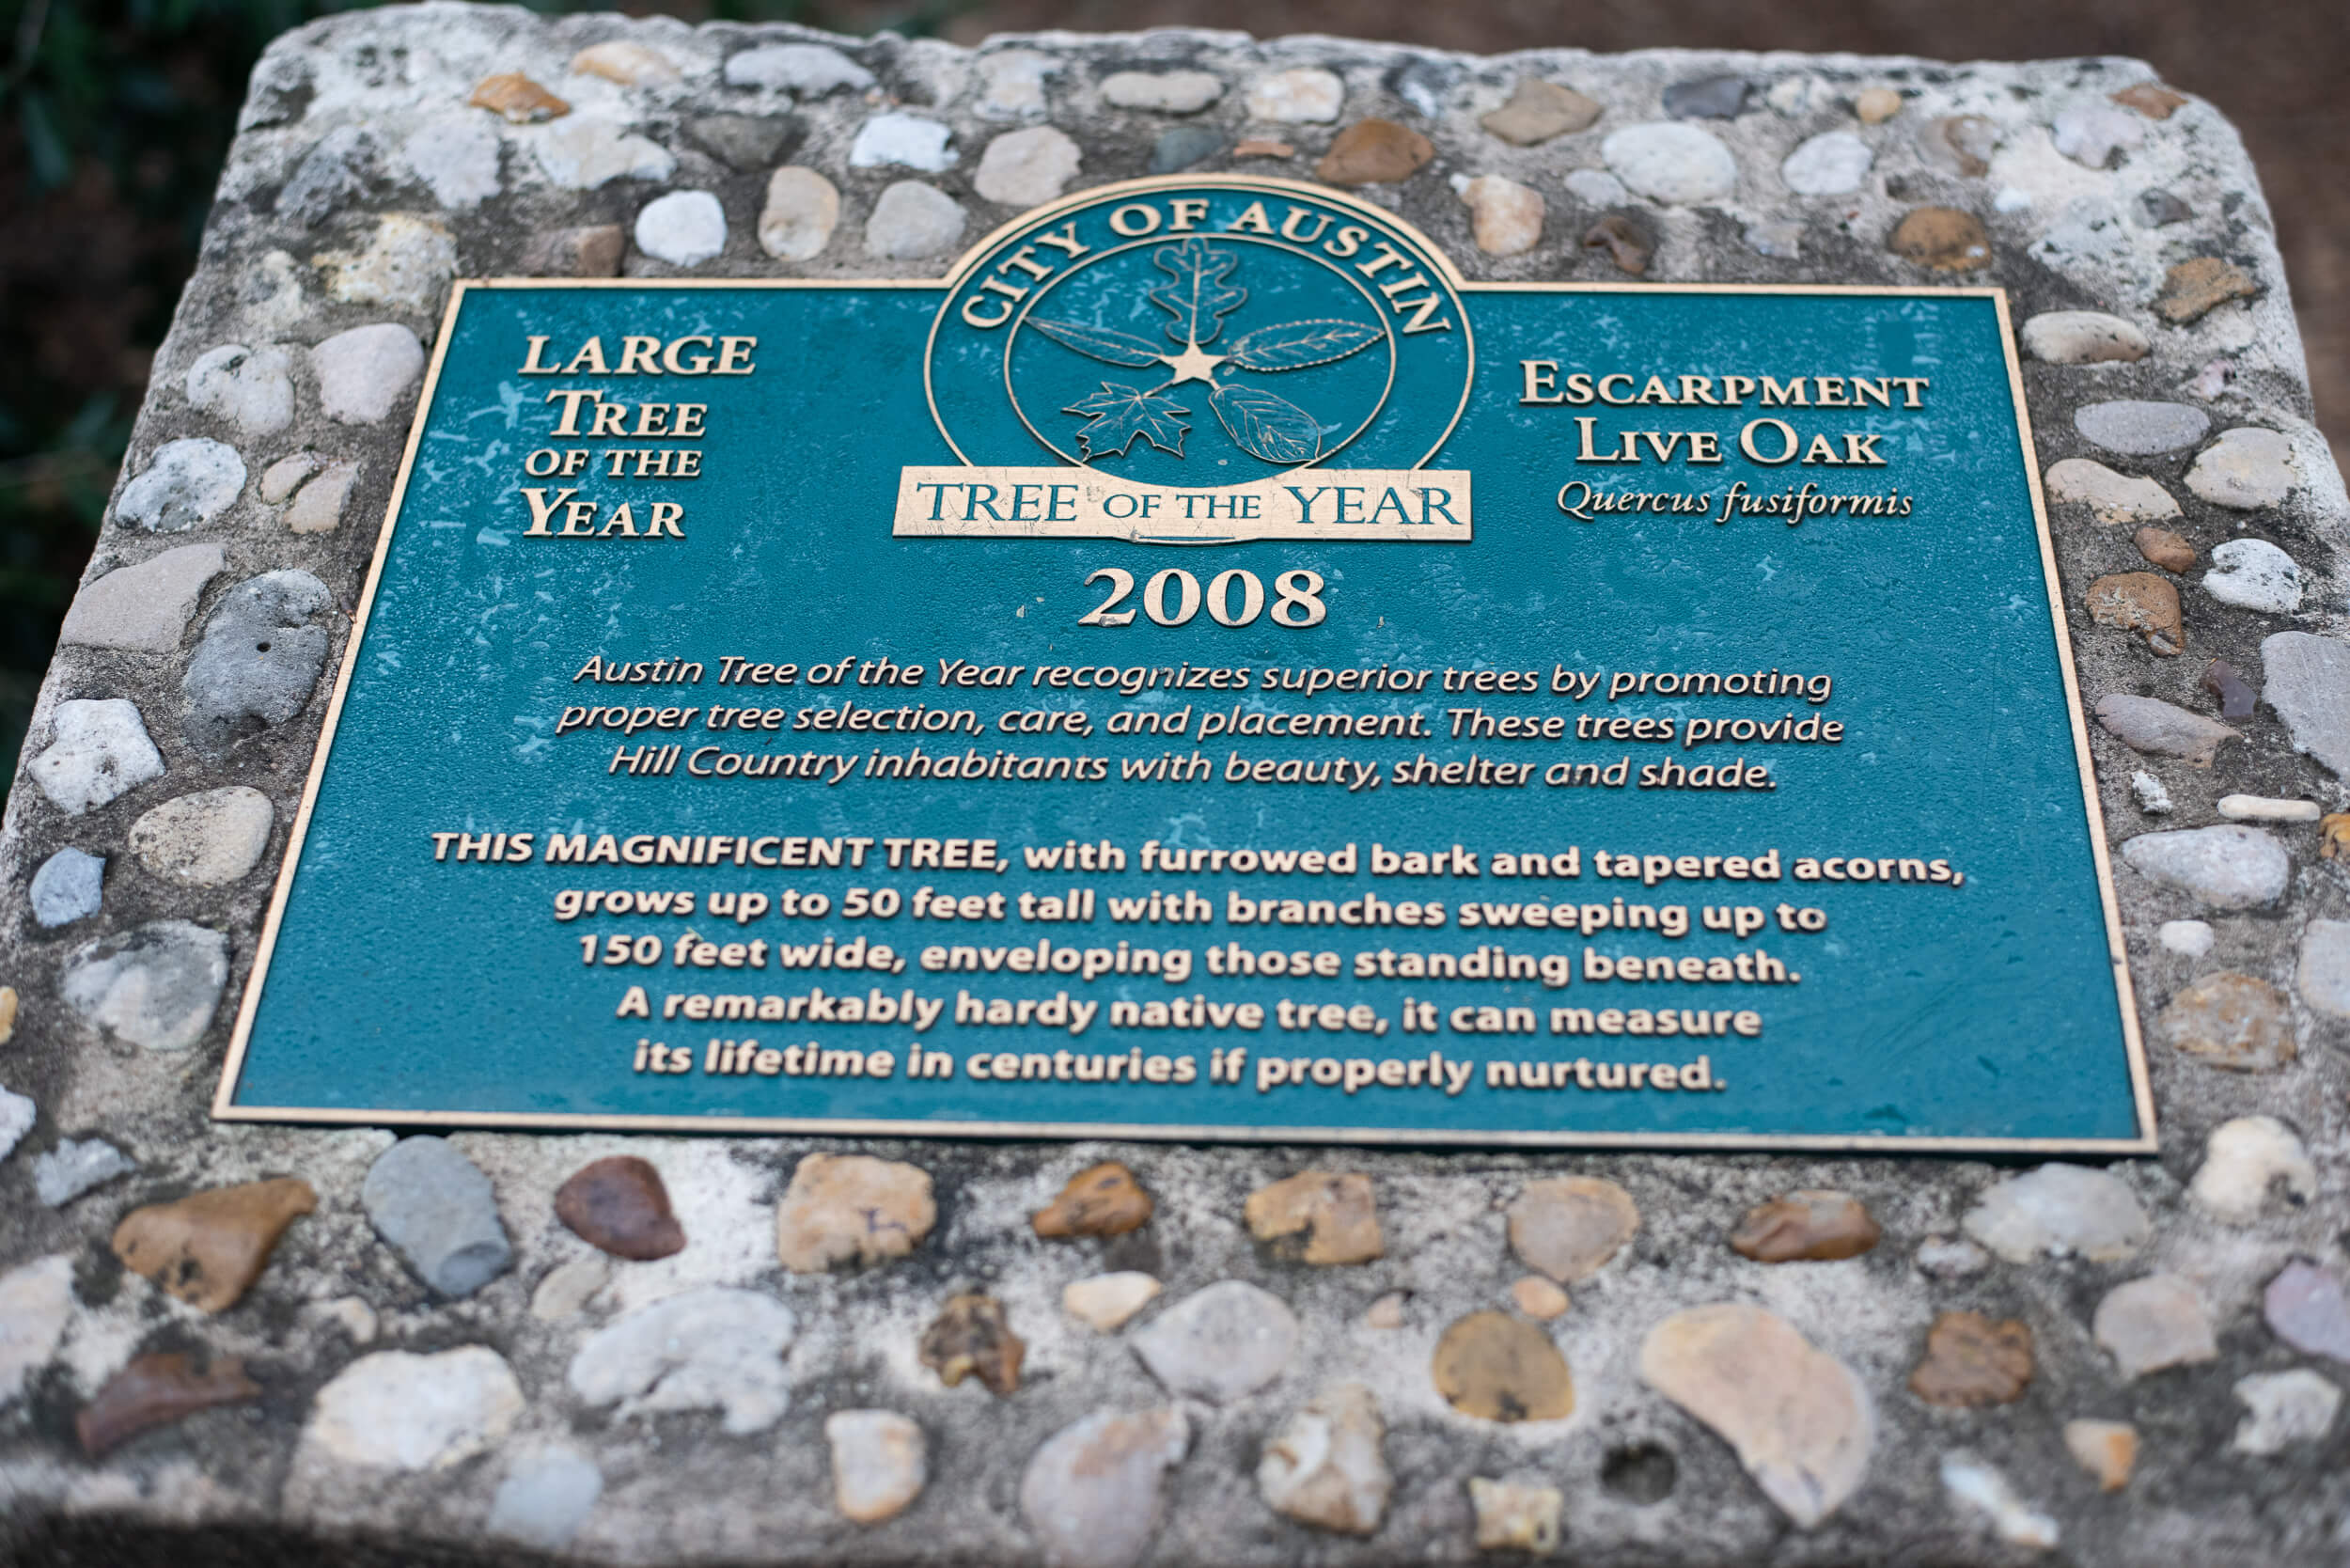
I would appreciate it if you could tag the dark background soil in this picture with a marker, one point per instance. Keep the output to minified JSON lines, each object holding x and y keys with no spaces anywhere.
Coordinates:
{"x":114,"y":114}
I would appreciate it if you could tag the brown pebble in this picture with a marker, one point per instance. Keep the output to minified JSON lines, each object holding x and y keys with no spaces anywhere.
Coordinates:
{"x":209,"y":1247}
{"x":1539,"y":1299}
{"x":518,"y":97}
{"x":2236,"y":697}
{"x":2333,"y":834}
{"x":1539,"y":110}
{"x":1374,"y":152}
{"x":1808,"y":1226}
{"x":620,"y":1205}
{"x":2194,"y":289}
{"x":971,"y":1339}
{"x":1875,"y":105}
{"x":1625,"y":242}
{"x":1962,"y":143}
{"x":2165,"y":549}
{"x":1972,"y":1360}
{"x":1262,"y":147}
{"x":1321,"y":1218}
{"x":1942,"y":238}
{"x":156,"y":1390}
{"x":594,"y":251}
{"x":2142,"y":602}
{"x":2232,"y":1021}
{"x":1100,"y":1201}
{"x":1502,"y":1369}
{"x":2150,"y":99}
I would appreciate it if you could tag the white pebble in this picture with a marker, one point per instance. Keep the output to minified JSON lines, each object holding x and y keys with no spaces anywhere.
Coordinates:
{"x":2262,"y":808}
{"x":1830,"y":163}
{"x":683,"y":229}
{"x":2254,"y":574}
{"x":2153,"y":797}
{"x":1984,"y":1490}
{"x":2243,"y":1160}
{"x":908,"y":140}
{"x":2287,"y":1407}
{"x":1671,"y":162}
{"x":2191,"y":938}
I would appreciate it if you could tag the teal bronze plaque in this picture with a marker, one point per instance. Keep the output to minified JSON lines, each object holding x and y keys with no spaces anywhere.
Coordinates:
{"x":1205,"y":670}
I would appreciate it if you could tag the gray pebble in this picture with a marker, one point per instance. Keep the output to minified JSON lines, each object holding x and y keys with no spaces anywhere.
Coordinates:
{"x":2254,"y":574}
{"x":67,"y":887}
{"x":142,"y":608}
{"x":2156,"y":208}
{"x":187,"y":485}
{"x":1220,"y":1343}
{"x":546,"y":1495}
{"x":2307,"y":681}
{"x":747,"y":141}
{"x":76,"y":1166}
{"x":2323,"y":975}
{"x":2060,"y":1210}
{"x":253,"y":388}
{"x":1708,"y":98}
{"x":2306,"y":1309}
{"x":259,"y":661}
{"x":1425,"y":83}
{"x":154,"y":985}
{"x":2229,"y":867}
{"x":801,"y":70}
{"x":913,"y":220}
{"x":2160,"y":728}
{"x":334,"y":175}
{"x":1183,"y":146}
{"x":100,"y":750}
{"x":362,"y":372}
{"x":16,"y":1119}
{"x":437,"y":1210}
{"x":2141,"y":428}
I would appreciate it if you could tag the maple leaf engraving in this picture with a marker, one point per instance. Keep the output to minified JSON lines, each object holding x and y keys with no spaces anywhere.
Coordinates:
{"x":1122,"y":413}
{"x":1296,"y":345}
{"x":1199,"y":298}
{"x":1265,"y":426}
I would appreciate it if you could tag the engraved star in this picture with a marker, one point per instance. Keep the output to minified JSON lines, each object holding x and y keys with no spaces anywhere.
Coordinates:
{"x":1193,"y":365}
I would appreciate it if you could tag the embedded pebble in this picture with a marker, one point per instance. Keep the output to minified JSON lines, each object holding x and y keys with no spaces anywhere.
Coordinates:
{"x":142,"y":608}
{"x":1183,"y":146}
{"x":2107,"y":1449}
{"x":1814,"y":1224}
{"x":77,"y":1165}
{"x":684,"y":228}
{"x":2153,"y":798}
{"x":2254,"y":574}
{"x":2306,"y":678}
{"x":1675,"y":164}
{"x":2161,"y":729}
{"x":593,"y":250}
{"x":8,"y":1013}
{"x":746,"y":142}
{"x":156,"y":1390}
{"x":1169,"y":92}
{"x":154,"y":985}
{"x":516,"y":99}
{"x":362,"y":372}
{"x":36,"y":1302}
{"x":399,"y":1411}
{"x":912,"y":220}
{"x":1597,"y":188}
{"x":437,"y":1211}
{"x":2156,"y":208}
{"x":546,"y":1496}
{"x":1505,"y":217}
{"x":185,"y":485}
{"x":2322,"y":974}
{"x":1984,"y":1490}
{"x":2286,"y":1407}
{"x":2247,"y":468}
{"x":17,"y":1115}
{"x":318,"y":508}
{"x":252,"y":388}
{"x":68,"y":887}
{"x":907,"y":140}
{"x":1875,"y":105}
{"x":2305,"y":1306}
{"x":2141,"y":428}
{"x":565,"y":1290}
{"x":1324,"y":1466}
{"x":1092,"y":1492}
{"x":207,"y":1249}
{"x":618,"y":1204}
{"x":335,"y":172}
{"x":802,"y":211}
{"x":1830,"y":163}
{"x":2264,"y":808}
{"x":1941,"y":238}
{"x":457,"y":160}
{"x":2228,"y":867}
{"x":1971,"y":1360}
{"x":1263,"y":147}
{"x":589,"y":154}
{"x":407,"y":264}
{"x":1709,"y":98}
{"x":2092,"y":133}
{"x":1387,"y":1311}
{"x":1499,"y":1368}
{"x":2142,"y":602}
{"x":2246,"y":1160}
{"x":205,"y":839}
{"x":1106,"y":1301}
{"x":2060,"y":1210}
{"x":2150,"y":99}
{"x":972,"y":1338}
{"x":1961,"y":142}
{"x":2173,"y":552}
{"x":1027,"y":168}
{"x":1015,"y":81}
{"x":1539,"y":1299}
{"x":2192,"y":938}
{"x":1374,"y":152}
{"x":1103,"y":1200}
{"x":631,"y":64}
{"x":851,"y":1209}
{"x":1627,"y":244}
{"x":1569,"y":1227}
{"x":1799,"y":1419}
{"x":2153,"y":1323}
{"x":1538,"y":110}
{"x":259,"y":661}
{"x":803,"y":69}
{"x":2110,"y":498}
{"x":1310,"y":96}
{"x":1951,"y":1258}
{"x":1516,"y":1516}
{"x":1782,"y":239}
{"x":880,"y":1464}
{"x":2083,"y":337}
{"x":2194,"y":289}
{"x":1218,"y":1343}
{"x":1320,"y":1218}
{"x":713,"y":1348}
{"x":2232,"y":1021}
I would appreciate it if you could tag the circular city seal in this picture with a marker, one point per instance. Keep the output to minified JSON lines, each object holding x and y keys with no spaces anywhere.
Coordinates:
{"x":1200,"y":333}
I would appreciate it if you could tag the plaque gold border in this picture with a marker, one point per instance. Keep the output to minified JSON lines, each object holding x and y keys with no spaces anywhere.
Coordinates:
{"x":224,"y":1109}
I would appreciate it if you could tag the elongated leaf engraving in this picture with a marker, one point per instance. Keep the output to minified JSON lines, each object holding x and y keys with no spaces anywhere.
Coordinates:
{"x":1122,"y":413}
{"x":1114,"y":348}
{"x":1295,"y":345}
{"x":1199,"y":298}
{"x":1264,"y":426}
